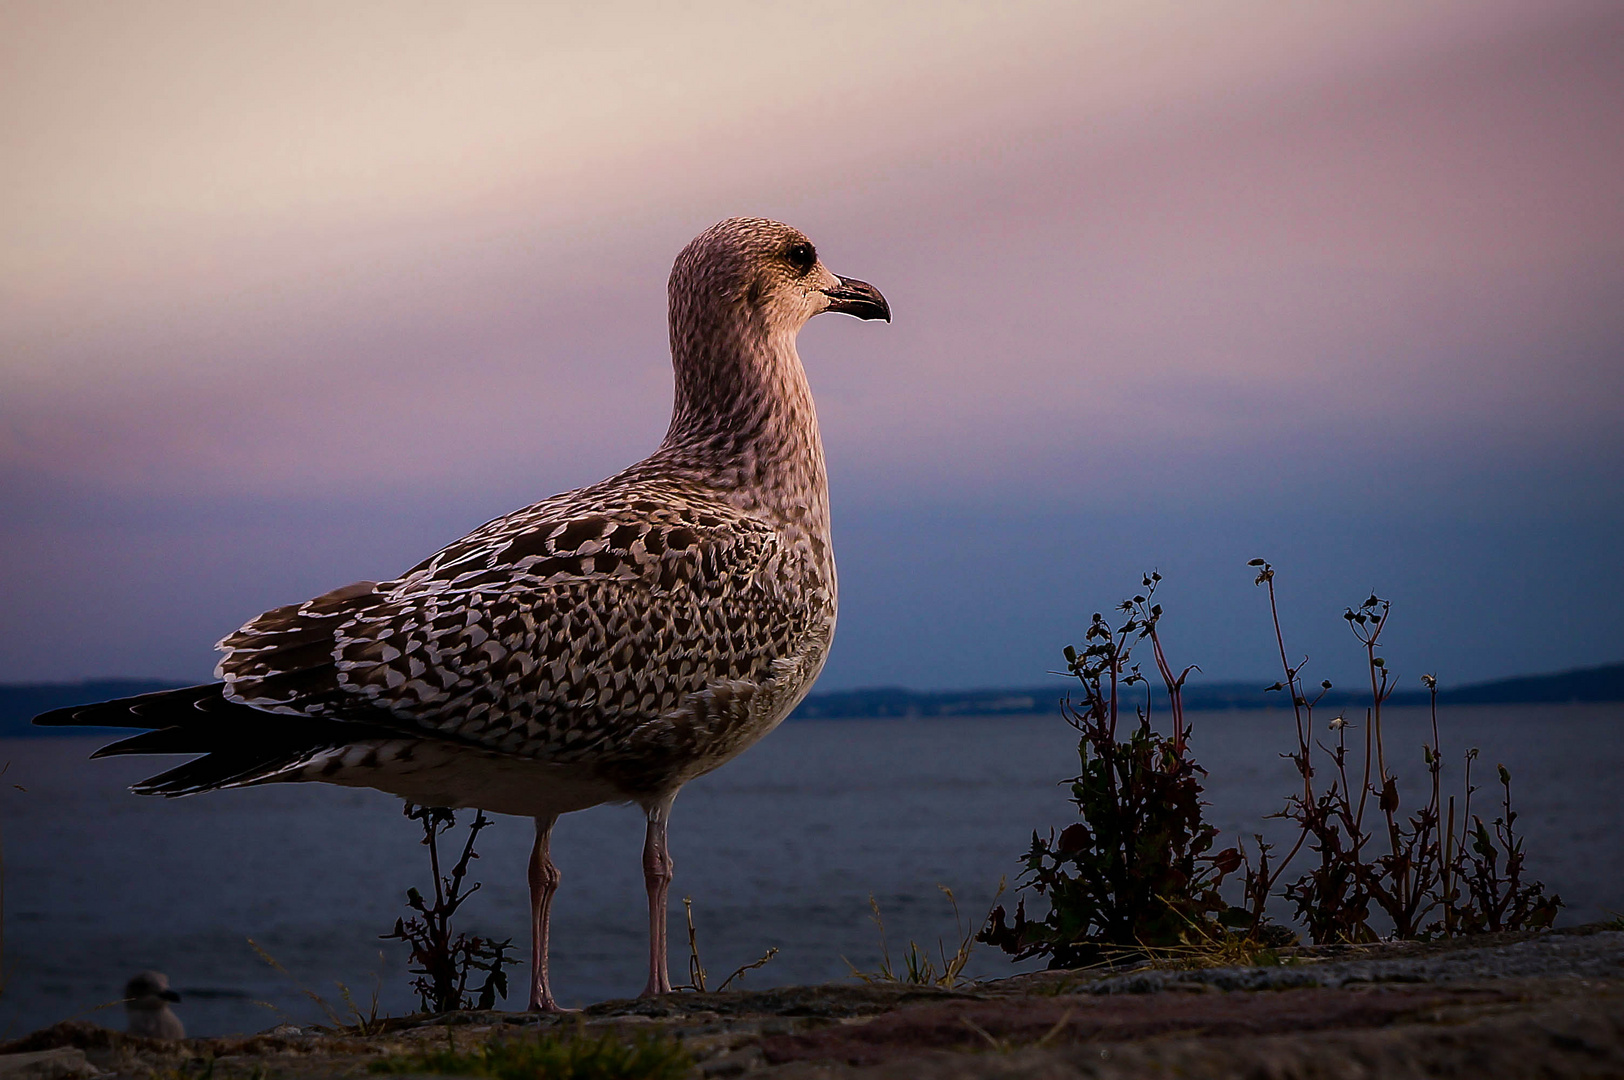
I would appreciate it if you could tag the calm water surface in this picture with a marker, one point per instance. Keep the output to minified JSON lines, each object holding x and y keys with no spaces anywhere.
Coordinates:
{"x":781,"y":848}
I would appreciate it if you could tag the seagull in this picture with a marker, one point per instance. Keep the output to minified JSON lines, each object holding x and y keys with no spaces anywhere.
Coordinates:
{"x":146,"y":1003}
{"x":605,"y":645}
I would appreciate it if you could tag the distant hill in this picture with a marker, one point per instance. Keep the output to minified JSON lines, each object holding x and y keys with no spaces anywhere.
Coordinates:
{"x":20,"y":703}
{"x":1605,"y":683}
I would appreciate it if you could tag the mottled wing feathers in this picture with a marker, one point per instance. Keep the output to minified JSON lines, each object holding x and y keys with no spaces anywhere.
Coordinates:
{"x":285,"y":660}
{"x":556,"y":632}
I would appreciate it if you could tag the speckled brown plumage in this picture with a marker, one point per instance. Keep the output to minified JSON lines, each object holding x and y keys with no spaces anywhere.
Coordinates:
{"x":609,"y":643}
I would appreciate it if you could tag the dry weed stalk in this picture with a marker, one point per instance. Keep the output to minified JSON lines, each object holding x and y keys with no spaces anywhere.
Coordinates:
{"x":696,"y":970}
{"x":360,"y":1023}
{"x":918,"y":968}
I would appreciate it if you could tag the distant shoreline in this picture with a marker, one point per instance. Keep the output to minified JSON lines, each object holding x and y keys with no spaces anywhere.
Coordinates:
{"x":1588,"y":685}
{"x":19,"y":703}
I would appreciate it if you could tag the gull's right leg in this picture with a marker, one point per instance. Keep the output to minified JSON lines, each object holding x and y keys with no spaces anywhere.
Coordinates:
{"x":657,"y":870}
{"x":544,"y":878}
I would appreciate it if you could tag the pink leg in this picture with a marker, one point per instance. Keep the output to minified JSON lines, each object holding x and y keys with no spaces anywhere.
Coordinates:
{"x":544,"y":878}
{"x":657,"y":870}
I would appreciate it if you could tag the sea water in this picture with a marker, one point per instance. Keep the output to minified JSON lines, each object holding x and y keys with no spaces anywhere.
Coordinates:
{"x":780,"y":849}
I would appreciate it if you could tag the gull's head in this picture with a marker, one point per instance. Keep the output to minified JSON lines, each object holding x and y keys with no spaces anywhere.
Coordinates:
{"x":149,"y":990}
{"x":765,"y":274}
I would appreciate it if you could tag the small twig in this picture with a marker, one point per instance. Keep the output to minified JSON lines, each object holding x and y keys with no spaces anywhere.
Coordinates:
{"x":739,"y":974}
{"x":997,"y":1044}
{"x":885,"y":951}
{"x":696,"y":970}
{"x":1059,"y":1026}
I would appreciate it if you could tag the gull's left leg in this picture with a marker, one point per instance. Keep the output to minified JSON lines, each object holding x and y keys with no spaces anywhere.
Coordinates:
{"x":544,"y":879}
{"x":657,"y":870}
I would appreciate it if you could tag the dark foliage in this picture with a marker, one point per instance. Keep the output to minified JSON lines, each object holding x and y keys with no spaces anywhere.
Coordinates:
{"x":444,"y":964}
{"x":1496,"y":898}
{"x":1134,"y":877}
{"x":1416,"y":871}
{"x":1134,"y":872}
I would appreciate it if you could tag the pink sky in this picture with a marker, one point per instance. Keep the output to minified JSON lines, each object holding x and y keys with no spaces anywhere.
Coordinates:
{"x":376,"y":258}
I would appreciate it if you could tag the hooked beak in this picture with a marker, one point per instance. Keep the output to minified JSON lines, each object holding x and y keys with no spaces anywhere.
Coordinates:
{"x":859,"y":298}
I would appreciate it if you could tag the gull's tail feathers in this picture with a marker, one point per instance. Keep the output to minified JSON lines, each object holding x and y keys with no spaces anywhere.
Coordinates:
{"x":240,"y":745}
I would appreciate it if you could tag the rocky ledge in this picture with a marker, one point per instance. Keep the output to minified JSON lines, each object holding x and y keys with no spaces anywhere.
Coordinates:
{"x":1548,"y":1005}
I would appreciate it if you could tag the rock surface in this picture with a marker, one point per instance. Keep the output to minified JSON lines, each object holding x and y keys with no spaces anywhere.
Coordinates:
{"x":1548,"y":1005}
{"x":62,"y":1063}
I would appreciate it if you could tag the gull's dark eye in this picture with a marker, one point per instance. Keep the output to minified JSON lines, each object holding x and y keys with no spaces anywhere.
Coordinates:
{"x":801,"y":255}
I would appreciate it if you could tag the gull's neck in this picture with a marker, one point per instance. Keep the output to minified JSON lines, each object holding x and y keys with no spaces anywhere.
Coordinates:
{"x":744,"y":423}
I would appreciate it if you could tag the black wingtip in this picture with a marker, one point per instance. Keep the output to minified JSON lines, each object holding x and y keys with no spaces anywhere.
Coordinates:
{"x":58,"y":717}
{"x":141,"y":711}
{"x":236,"y":744}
